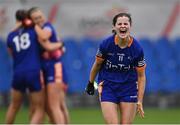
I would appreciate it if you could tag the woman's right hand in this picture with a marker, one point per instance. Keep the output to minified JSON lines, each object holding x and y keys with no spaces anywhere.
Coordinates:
{"x":90,"y":88}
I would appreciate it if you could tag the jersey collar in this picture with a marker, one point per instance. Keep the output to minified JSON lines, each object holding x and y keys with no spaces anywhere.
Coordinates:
{"x":116,"y":39}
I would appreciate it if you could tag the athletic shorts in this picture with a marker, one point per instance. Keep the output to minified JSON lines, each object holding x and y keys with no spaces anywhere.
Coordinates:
{"x":52,"y":72}
{"x":27,"y":80}
{"x":118,"y":92}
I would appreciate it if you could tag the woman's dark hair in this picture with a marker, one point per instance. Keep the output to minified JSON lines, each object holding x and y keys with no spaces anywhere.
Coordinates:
{"x":121,"y":15}
{"x":21,"y":14}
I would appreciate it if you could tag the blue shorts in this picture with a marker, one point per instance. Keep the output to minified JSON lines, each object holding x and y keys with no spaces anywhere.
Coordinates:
{"x":24,"y":80}
{"x":52,"y":72}
{"x":119,"y":92}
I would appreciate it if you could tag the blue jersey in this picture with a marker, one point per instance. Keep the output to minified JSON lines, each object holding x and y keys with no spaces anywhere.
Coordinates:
{"x":49,"y":27}
{"x":25,"y":49}
{"x":119,"y":64}
{"x":51,"y":66}
{"x":53,"y":38}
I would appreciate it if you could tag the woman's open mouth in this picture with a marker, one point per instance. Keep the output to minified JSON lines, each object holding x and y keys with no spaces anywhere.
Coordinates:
{"x":123,"y":32}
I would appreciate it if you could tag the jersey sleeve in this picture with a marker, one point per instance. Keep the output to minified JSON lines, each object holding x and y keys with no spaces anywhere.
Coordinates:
{"x":101,"y":52}
{"x":8,"y":42}
{"x":140,"y":61}
{"x":48,"y":27}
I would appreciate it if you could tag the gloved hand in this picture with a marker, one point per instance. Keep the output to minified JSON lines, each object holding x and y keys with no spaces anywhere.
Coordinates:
{"x":90,"y":88}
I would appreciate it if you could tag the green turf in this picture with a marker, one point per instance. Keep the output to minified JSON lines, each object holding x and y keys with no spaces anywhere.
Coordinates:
{"x":94,"y":116}
{"x":157,"y":116}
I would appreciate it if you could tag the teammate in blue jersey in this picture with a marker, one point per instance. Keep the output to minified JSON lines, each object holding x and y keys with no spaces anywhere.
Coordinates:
{"x":52,"y":67}
{"x":23,"y":45}
{"x":121,"y":67}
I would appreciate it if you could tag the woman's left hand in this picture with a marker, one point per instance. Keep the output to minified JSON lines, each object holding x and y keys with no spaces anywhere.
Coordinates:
{"x":140,"y":109}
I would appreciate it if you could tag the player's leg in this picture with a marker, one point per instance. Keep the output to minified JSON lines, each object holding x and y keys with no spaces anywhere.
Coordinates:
{"x":31,"y":107}
{"x":53,"y":93}
{"x":36,"y":96}
{"x":110,"y":112}
{"x":18,"y":88}
{"x":50,"y":118}
{"x":47,"y":110}
{"x":108,"y":103}
{"x":64,"y":108}
{"x":31,"y":110}
{"x":63,"y":105}
{"x":128,"y":104}
{"x":15,"y":104}
{"x":53,"y":77}
{"x":128,"y":112}
{"x":37,"y":105}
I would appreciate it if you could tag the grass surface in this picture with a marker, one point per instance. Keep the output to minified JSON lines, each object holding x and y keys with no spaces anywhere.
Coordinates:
{"x":94,"y":116}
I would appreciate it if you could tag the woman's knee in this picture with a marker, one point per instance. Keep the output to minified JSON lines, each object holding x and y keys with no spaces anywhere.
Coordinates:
{"x":53,"y":107}
{"x":107,"y":109}
{"x":53,"y":103}
{"x":128,"y":112}
{"x":15,"y":104}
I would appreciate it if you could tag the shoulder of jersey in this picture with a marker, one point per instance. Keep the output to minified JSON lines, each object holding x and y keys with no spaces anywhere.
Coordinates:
{"x":11,"y":33}
{"x":108,"y":39}
{"x":47,"y":24}
{"x":136,"y":44}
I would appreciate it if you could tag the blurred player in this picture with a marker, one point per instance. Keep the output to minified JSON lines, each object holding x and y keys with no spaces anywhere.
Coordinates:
{"x":23,"y":45}
{"x":52,"y":66}
{"x":121,"y":67}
